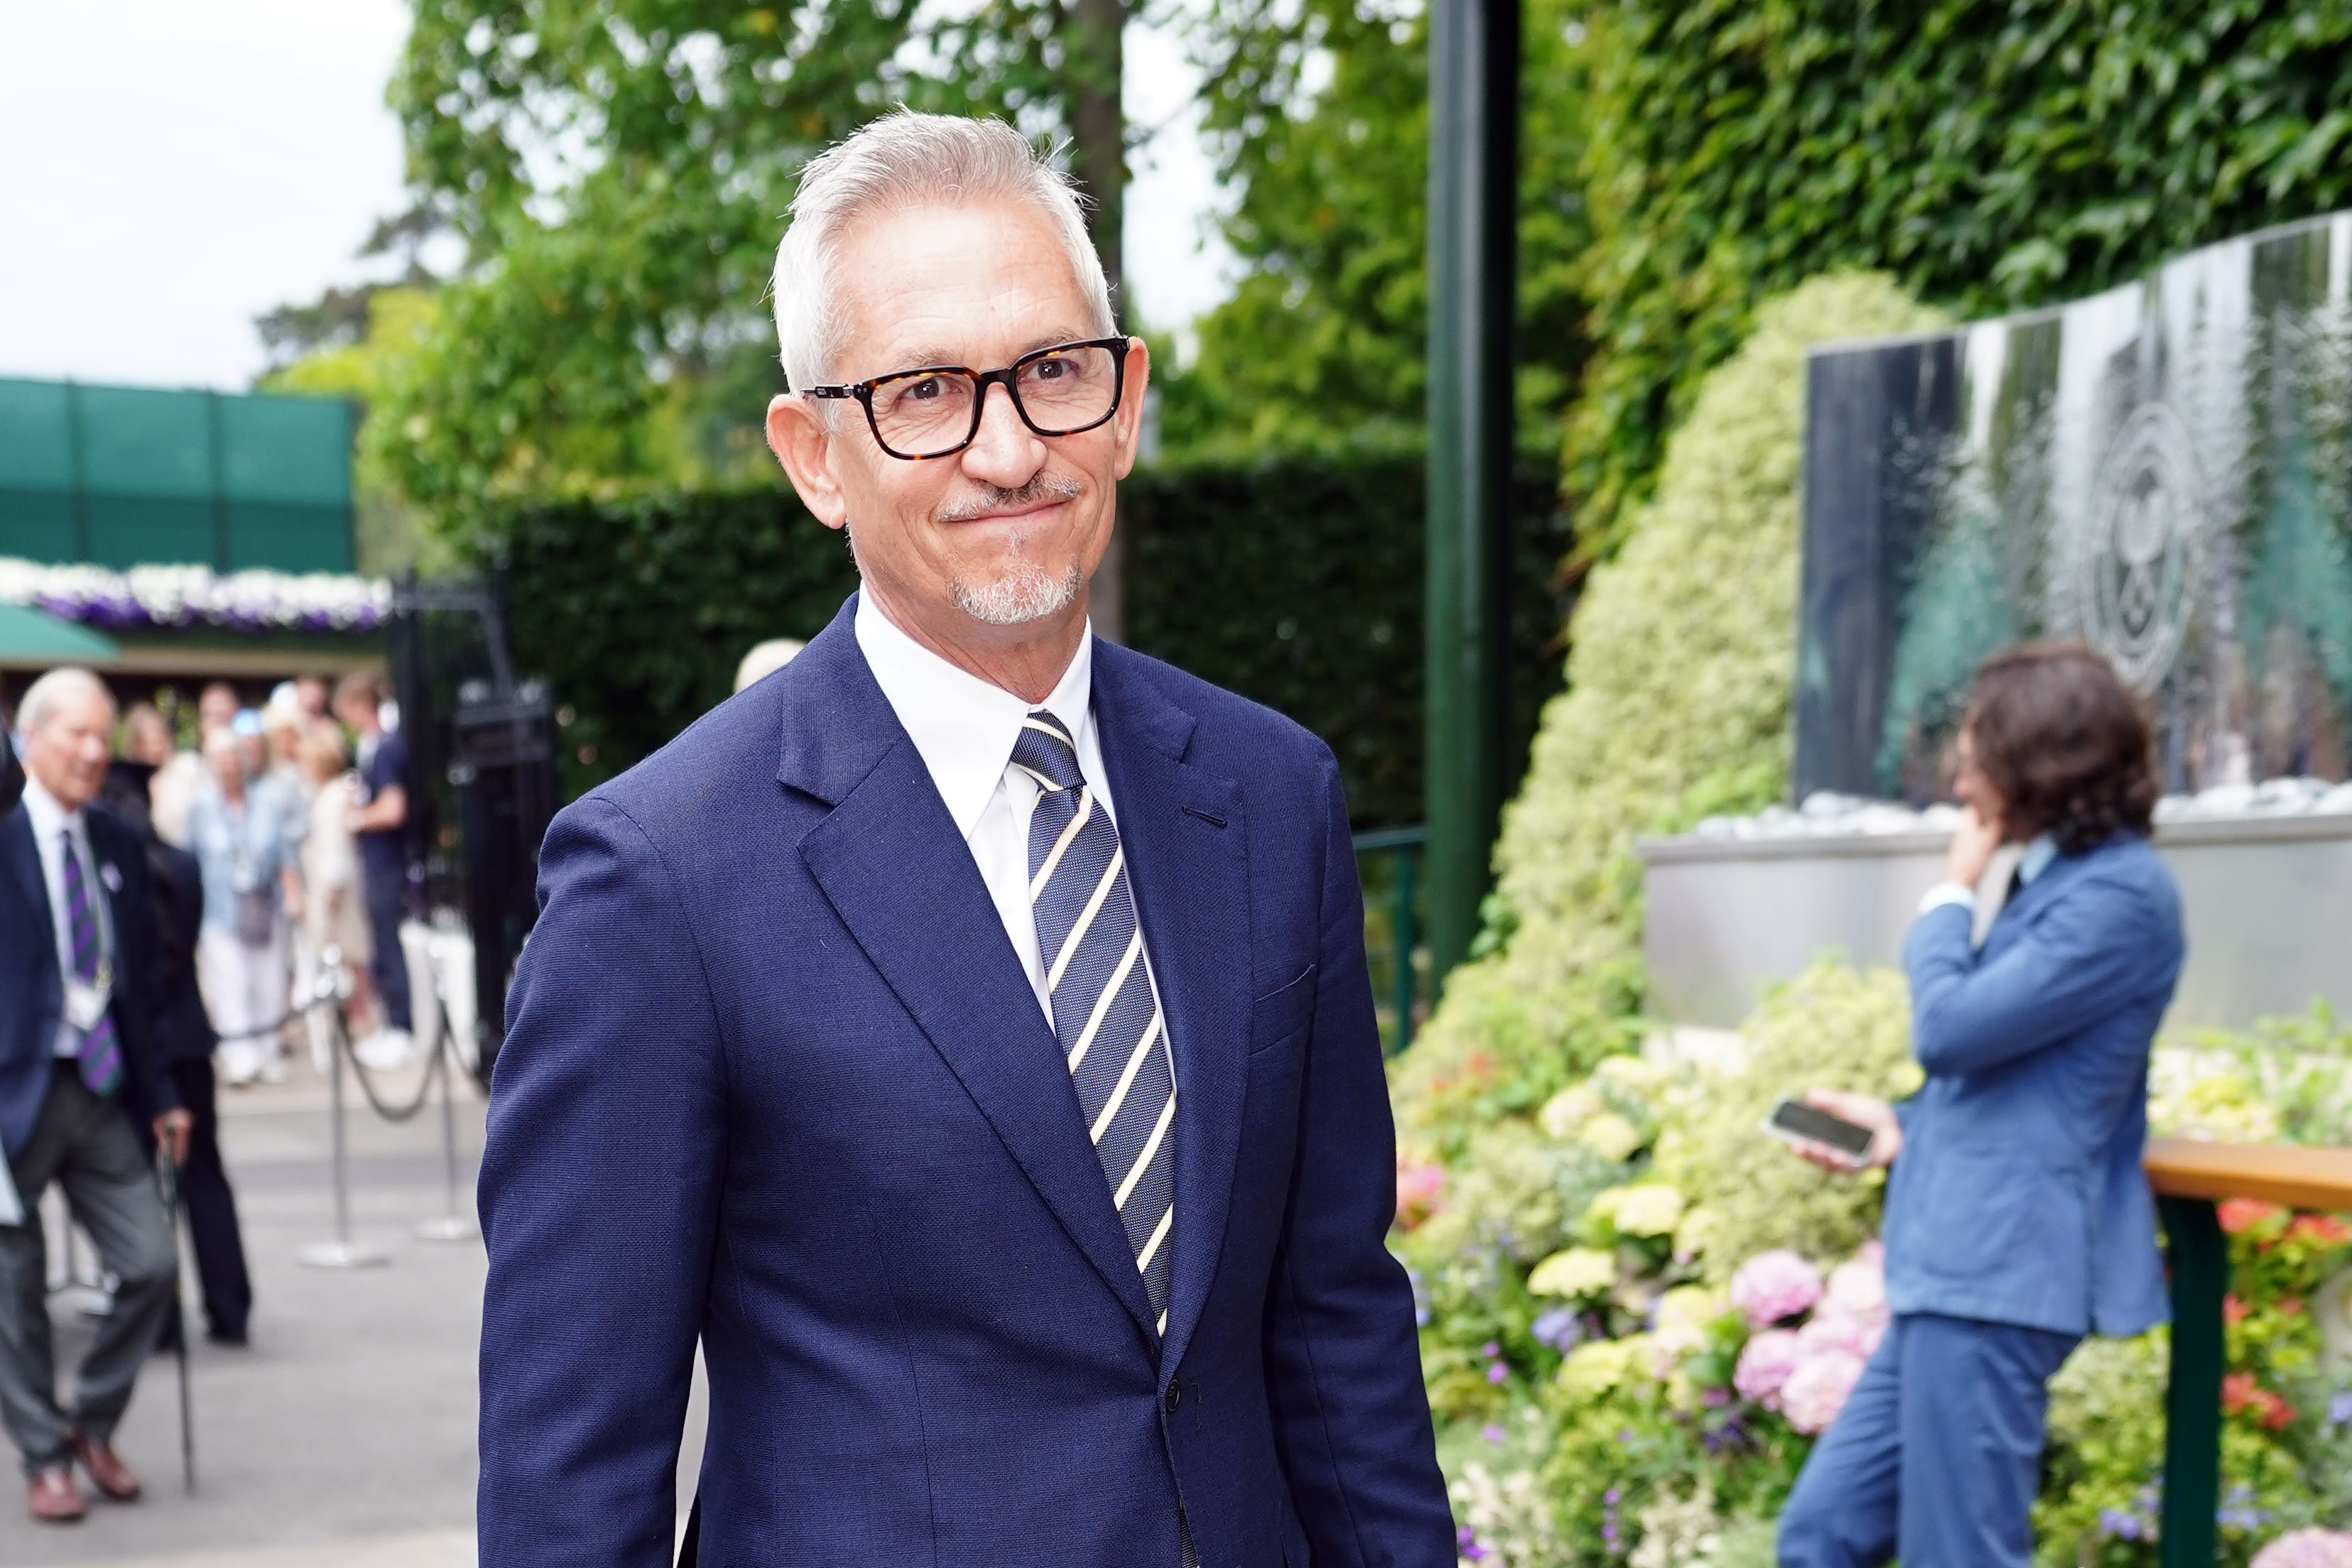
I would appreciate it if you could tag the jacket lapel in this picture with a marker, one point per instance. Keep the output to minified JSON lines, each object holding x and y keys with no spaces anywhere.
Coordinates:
{"x":23,"y":860}
{"x":1187,"y":855}
{"x":890,"y":861}
{"x":2017,"y":912}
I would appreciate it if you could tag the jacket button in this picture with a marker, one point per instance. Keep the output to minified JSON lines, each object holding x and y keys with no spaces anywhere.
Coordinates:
{"x":1175,"y":1397}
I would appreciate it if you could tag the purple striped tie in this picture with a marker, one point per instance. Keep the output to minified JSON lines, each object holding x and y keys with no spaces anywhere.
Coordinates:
{"x":100,"y":1055}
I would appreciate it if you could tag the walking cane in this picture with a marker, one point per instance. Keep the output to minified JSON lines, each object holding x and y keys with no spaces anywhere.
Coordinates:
{"x":167,"y":1173}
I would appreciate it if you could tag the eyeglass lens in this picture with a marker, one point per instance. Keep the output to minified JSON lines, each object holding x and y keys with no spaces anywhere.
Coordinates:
{"x":1061,"y":391}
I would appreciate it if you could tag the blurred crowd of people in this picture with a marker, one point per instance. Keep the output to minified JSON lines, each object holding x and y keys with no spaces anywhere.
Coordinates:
{"x":294,"y":812}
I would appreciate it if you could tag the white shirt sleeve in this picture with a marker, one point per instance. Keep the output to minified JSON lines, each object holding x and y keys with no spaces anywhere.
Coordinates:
{"x":1943,"y":893}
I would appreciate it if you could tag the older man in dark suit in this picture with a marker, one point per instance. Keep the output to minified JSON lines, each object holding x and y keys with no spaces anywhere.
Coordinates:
{"x":76,"y":969}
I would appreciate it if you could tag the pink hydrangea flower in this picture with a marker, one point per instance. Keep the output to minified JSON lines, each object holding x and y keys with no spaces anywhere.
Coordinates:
{"x":1816,"y":1391}
{"x":1419,"y":1189}
{"x":1765,"y":1364}
{"x":2307,"y":1549}
{"x":1775,"y":1285}
{"x":1834,"y":1328}
{"x":1860,"y":1287}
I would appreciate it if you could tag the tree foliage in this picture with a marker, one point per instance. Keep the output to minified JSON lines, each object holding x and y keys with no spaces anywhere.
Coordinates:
{"x":1992,"y":154}
{"x":618,"y":170}
{"x":1318,"y":114}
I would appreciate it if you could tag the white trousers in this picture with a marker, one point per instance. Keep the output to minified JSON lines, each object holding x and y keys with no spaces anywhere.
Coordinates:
{"x":245,"y":994}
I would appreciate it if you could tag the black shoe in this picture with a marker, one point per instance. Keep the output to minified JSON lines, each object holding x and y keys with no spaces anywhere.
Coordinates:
{"x":234,"y":1338}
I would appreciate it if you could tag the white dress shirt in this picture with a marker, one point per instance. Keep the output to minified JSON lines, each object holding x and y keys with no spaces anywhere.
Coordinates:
{"x":964,"y":728}
{"x":50,"y":821}
{"x":1988,"y":896}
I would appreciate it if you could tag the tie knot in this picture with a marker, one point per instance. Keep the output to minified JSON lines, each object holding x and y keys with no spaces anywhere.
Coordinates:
{"x":1047,"y":752}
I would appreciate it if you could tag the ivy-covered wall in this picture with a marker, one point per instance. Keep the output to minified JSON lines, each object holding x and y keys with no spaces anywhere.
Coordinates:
{"x":1991,"y":156}
{"x":1296,"y":581}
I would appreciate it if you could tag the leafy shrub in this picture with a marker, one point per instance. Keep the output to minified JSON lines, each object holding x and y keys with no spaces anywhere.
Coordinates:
{"x":1296,"y":581}
{"x":1830,"y":1027}
{"x":1679,"y":675}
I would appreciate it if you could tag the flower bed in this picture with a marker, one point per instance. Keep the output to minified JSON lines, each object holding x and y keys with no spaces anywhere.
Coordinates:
{"x":176,"y":596}
{"x":1639,"y":1312}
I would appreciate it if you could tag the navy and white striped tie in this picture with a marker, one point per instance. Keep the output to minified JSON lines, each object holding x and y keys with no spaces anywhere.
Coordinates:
{"x":1104,"y":1011}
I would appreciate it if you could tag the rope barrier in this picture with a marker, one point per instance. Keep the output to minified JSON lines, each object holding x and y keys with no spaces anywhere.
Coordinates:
{"x":435,"y":1066}
{"x":334,"y":983}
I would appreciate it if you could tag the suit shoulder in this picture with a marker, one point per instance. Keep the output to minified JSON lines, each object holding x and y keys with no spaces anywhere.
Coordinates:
{"x":2128,"y":867}
{"x":115,"y":834}
{"x":1228,"y":721}
{"x":707,"y":764}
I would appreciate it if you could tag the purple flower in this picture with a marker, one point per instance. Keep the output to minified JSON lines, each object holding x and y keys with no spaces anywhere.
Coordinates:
{"x":2339,"y":1409}
{"x":1491,"y":1348}
{"x":2120,"y":1524}
{"x":1497,"y":1371}
{"x":1559,"y":1329}
{"x":1494,"y":1434}
{"x":1775,"y":1285}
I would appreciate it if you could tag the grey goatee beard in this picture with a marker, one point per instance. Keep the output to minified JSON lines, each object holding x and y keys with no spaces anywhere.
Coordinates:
{"x":1024,"y":591}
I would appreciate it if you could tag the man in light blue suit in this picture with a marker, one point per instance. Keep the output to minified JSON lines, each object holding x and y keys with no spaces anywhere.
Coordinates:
{"x":2018,"y":1216}
{"x":964,"y":1032}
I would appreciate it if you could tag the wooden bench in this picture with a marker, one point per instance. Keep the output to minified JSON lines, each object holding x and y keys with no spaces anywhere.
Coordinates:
{"x":2190,"y":1177}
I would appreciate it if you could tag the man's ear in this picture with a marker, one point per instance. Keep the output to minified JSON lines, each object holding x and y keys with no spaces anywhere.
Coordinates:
{"x":801,"y":438}
{"x":1128,"y":420}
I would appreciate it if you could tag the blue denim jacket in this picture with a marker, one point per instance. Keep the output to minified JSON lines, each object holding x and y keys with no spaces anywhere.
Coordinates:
{"x":240,"y":852}
{"x":2019,"y":1197}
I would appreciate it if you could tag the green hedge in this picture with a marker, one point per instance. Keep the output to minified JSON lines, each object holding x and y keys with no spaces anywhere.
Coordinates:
{"x":1989,"y":156}
{"x":1295,"y":582}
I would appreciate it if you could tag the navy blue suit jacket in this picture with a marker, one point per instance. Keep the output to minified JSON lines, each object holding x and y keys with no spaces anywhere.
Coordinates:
{"x":2019,"y":1196}
{"x":32,"y":988}
{"x":775,"y":1078}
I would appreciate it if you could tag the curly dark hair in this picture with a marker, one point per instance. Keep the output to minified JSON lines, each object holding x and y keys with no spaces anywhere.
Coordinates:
{"x":2066,"y":741}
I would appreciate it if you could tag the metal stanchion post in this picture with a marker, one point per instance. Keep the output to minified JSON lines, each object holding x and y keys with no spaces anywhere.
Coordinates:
{"x":334,"y":984}
{"x":456,"y":1225}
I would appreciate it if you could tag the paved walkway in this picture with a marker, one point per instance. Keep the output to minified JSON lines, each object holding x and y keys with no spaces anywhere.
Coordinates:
{"x":343,"y":1438}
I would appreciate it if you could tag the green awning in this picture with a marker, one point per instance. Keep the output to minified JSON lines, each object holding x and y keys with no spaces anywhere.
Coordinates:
{"x":33,"y":636}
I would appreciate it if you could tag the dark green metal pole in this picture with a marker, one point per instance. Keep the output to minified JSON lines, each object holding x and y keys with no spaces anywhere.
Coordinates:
{"x":1473,"y":122}
{"x":2192,"y":1400}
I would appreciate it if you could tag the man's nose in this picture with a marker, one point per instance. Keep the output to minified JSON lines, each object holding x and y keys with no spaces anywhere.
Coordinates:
{"x":1004,"y":452}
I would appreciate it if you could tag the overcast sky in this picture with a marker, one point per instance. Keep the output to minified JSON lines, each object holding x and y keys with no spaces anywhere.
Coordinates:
{"x":170,"y":169}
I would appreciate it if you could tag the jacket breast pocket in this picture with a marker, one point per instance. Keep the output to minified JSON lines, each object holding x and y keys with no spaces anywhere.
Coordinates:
{"x":1282,"y":1013}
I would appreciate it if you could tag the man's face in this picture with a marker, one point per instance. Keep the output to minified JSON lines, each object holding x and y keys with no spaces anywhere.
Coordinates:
{"x":1003,"y":534}
{"x":69,"y":749}
{"x":1971,"y":787}
{"x":215,"y":708}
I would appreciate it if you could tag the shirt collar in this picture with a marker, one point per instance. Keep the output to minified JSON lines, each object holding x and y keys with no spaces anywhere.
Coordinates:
{"x":2041,"y":850}
{"x":46,"y":814}
{"x":962,"y":726}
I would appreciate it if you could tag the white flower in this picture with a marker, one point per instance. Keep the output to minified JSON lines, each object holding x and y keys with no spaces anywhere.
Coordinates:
{"x":1652,"y":1208}
{"x":1579,"y":1272}
{"x":184,"y":595}
{"x":1611,"y":1136}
